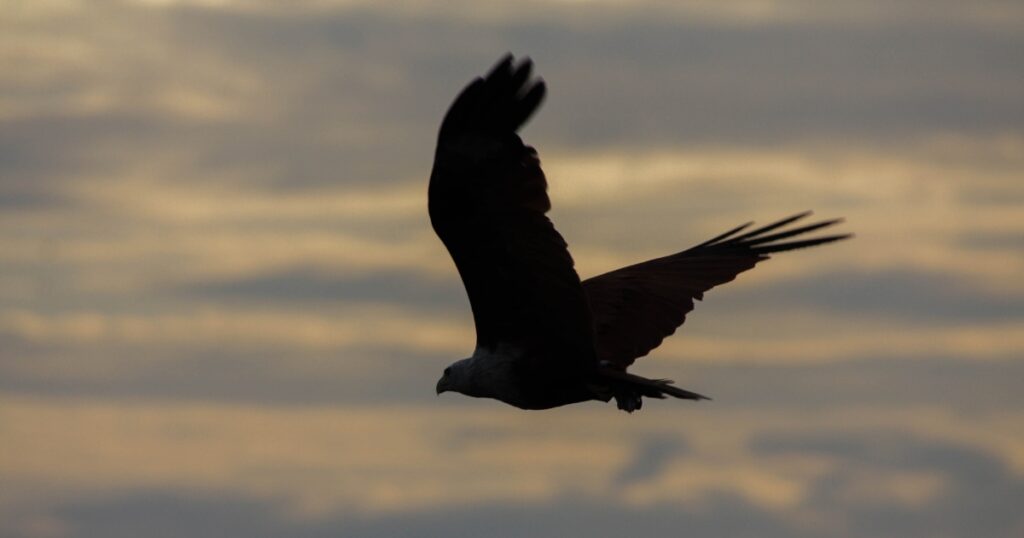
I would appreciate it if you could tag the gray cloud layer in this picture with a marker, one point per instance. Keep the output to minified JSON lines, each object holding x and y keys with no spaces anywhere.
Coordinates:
{"x":161,"y":244}
{"x":980,"y":496}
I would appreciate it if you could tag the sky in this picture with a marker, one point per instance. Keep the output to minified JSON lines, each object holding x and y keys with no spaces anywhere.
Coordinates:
{"x":223,"y":311}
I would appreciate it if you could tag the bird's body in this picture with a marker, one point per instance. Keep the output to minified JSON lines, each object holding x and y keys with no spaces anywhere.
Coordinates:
{"x":496,"y":373}
{"x":544,"y":338}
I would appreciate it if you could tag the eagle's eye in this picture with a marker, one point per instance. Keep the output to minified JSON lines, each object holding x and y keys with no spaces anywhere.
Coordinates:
{"x":448,"y":370}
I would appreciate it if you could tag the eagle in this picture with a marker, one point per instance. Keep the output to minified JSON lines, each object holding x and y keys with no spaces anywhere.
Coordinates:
{"x":543,"y":337}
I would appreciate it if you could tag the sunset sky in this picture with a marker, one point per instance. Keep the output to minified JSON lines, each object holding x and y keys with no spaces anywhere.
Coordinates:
{"x":223,"y":311}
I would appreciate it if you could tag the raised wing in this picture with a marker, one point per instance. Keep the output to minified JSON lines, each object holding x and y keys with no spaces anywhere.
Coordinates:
{"x":636,"y":307}
{"x":488,"y":199}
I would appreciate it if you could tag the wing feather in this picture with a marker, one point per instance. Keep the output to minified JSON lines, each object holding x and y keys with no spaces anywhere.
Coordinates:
{"x":487,"y":202}
{"x":636,"y":307}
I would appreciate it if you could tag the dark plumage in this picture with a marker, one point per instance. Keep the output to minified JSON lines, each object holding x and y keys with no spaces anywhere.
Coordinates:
{"x":544,"y":338}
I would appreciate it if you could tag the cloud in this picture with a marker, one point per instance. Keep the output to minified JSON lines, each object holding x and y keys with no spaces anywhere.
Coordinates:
{"x":224,"y":307}
{"x":192,"y":468}
{"x":140,"y":179}
{"x":651,"y":458}
{"x":215,"y":92}
{"x":787,"y":339}
{"x":162,"y":513}
{"x":361,"y":325}
{"x":777,"y":12}
{"x":309,"y":286}
{"x":615,"y":208}
{"x":882,"y":380}
{"x":905,"y":485}
{"x":914,"y":297}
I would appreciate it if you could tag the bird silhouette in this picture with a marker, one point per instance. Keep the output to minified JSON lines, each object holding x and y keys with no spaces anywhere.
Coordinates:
{"x":543,"y":337}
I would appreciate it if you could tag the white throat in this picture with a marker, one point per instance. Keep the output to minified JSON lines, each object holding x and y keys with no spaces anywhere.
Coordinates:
{"x":489,"y":372}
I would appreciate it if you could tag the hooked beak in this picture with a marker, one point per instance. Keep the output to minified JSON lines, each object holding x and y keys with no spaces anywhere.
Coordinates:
{"x":441,"y":386}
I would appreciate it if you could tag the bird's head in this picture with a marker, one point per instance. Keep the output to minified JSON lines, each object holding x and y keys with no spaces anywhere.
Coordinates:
{"x":455,"y":377}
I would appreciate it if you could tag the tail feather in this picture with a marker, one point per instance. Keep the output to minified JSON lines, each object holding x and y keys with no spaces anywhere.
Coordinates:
{"x":628,"y":389}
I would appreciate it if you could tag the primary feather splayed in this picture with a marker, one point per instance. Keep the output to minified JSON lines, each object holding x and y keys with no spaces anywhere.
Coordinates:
{"x":544,"y":338}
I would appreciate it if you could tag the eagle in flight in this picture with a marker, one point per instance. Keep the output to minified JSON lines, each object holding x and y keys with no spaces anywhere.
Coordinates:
{"x":543,"y":337}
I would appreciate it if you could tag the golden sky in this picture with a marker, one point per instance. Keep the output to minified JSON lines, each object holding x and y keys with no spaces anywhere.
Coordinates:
{"x":223,"y":311}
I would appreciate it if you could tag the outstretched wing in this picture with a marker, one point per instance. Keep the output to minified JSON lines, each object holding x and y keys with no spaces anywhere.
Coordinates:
{"x":488,"y":199}
{"x":636,"y":307}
